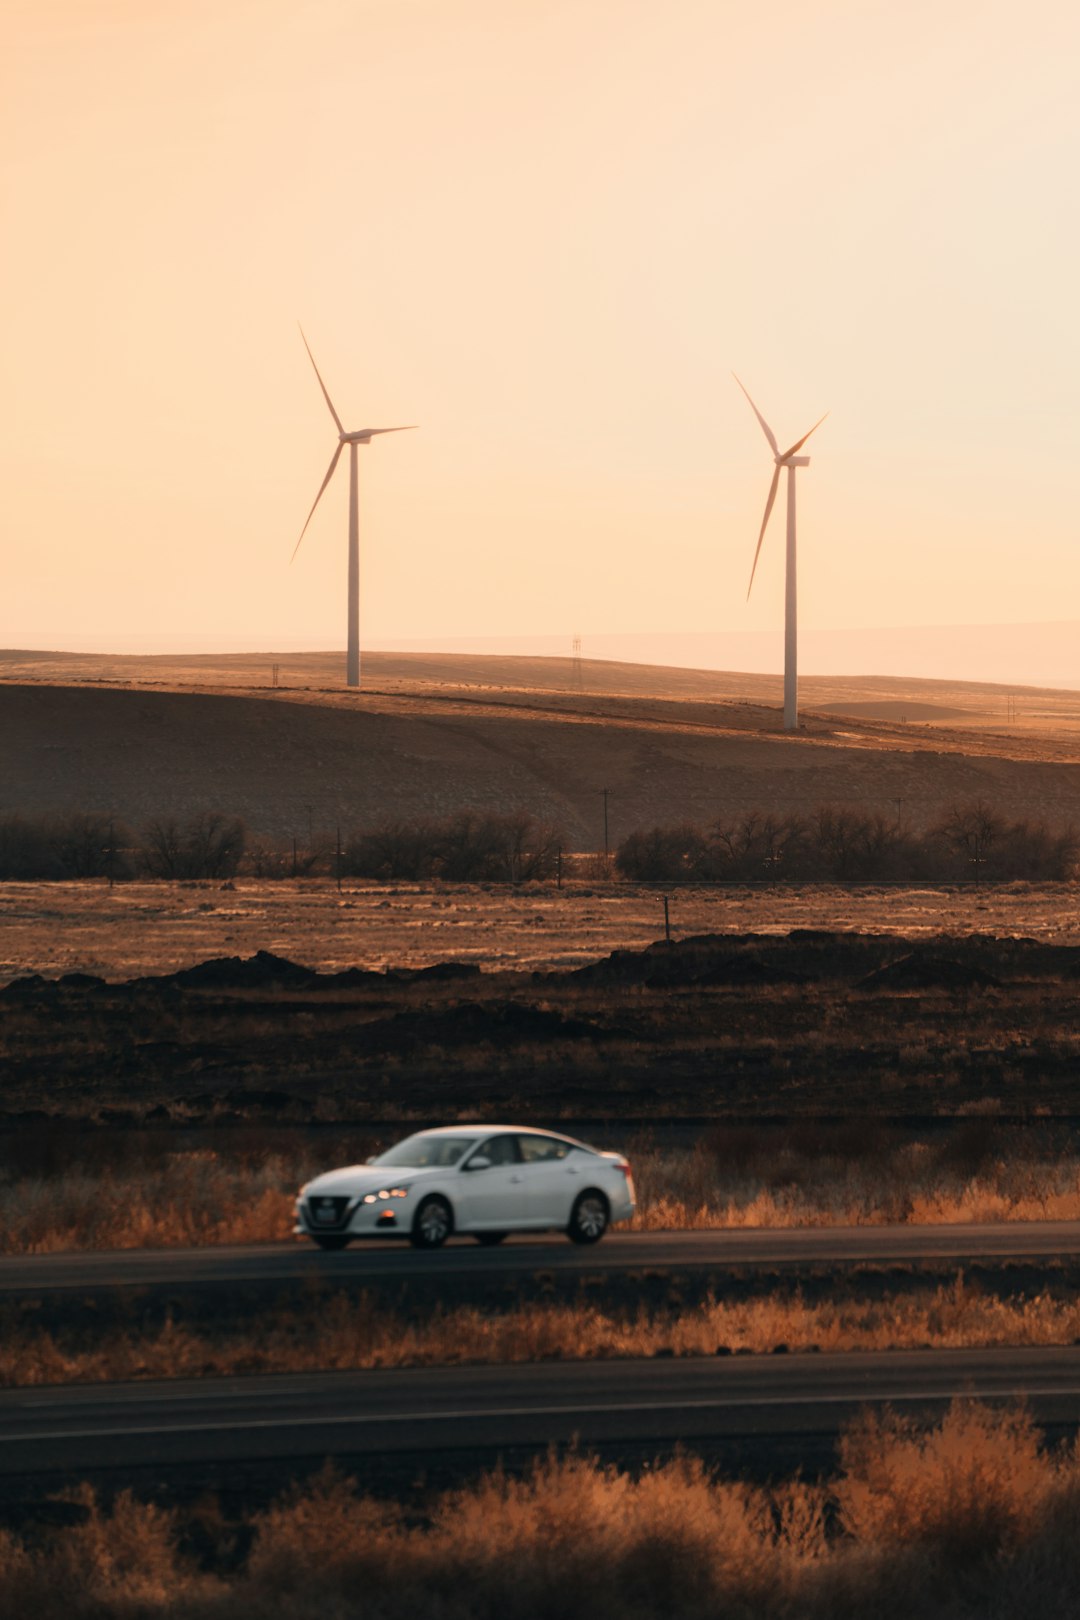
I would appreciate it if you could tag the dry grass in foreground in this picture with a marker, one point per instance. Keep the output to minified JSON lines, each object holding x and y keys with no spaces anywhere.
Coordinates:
{"x":732,"y":1179}
{"x":969,"y":1518}
{"x":349,"y":1332}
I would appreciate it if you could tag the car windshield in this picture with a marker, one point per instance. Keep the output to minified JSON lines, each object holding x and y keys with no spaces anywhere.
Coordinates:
{"x":426,"y":1149}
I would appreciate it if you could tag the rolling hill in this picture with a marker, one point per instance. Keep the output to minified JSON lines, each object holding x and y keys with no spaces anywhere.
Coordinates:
{"x":145,"y":737}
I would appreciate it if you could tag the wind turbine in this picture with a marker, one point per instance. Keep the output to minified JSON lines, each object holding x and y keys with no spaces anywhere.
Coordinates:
{"x":362,"y":436}
{"x":790,"y":460}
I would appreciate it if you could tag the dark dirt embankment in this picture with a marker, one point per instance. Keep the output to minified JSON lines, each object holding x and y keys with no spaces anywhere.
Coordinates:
{"x":715,"y":1026}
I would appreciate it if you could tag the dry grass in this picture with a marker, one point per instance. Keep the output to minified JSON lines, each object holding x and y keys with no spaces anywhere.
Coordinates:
{"x":190,"y":1198}
{"x":348,"y":1333}
{"x":207,"y":1196}
{"x":956,"y":1179}
{"x":969,"y":1518}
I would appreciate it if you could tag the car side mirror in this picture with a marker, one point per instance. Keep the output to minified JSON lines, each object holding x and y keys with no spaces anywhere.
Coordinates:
{"x":370,"y":1159}
{"x":478,"y":1163}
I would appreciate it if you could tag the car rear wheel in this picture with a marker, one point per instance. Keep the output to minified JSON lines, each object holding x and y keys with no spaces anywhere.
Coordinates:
{"x":332,"y":1243}
{"x":589,"y":1217}
{"x":489,"y":1239}
{"x":433,"y":1224}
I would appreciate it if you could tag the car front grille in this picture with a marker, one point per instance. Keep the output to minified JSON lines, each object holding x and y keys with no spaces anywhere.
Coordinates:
{"x":326,"y":1214}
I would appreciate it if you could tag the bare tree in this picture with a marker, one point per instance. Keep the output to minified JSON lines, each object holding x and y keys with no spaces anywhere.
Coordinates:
{"x":664,"y":854}
{"x":206,"y":846}
{"x":468,"y":847}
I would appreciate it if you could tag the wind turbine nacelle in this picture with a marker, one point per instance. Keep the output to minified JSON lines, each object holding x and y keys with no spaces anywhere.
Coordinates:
{"x":793,"y":461}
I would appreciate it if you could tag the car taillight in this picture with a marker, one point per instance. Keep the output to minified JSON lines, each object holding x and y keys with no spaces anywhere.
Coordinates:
{"x":625,"y":1168}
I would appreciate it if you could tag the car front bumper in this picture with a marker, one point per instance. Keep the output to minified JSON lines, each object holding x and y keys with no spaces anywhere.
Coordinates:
{"x":357,"y":1220}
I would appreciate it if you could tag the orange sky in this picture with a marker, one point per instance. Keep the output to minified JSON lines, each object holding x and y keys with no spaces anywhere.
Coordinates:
{"x":547,"y":232}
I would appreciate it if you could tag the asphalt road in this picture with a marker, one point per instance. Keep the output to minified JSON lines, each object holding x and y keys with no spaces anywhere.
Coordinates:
{"x":478,"y":1410}
{"x":373,"y":1263}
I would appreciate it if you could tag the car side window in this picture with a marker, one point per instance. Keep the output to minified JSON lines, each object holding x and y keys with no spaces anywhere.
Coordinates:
{"x":499,"y":1149}
{"x":449,"y":1153}
{"x":543,"y":1149}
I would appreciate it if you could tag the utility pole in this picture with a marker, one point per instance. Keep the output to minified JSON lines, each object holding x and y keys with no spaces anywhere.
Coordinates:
{"x":667,"y":921}
{"x":578,"y":683}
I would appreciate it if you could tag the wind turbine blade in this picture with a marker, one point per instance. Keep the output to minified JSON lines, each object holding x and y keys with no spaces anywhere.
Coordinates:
{"x":318,"y":498}
{"x":322,"y":385}
{"x":407,"y":429}
{"x":799,"y":444}
{"x":765,"y":428}
{"x":764,"y":526}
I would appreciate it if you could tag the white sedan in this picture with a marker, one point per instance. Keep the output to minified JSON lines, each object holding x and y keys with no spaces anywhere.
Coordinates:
{"x":486,"y":1180}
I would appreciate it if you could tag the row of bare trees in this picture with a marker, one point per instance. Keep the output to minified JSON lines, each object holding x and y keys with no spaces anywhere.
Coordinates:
{"x":843,"y":844}
{"x":465,"y":848}
{"x":832,"y":842}
{"x":84,"y":845}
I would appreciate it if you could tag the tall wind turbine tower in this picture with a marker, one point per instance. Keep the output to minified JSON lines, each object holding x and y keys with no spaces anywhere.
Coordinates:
{"x":791,"y":460}
{"x":353,"y":440}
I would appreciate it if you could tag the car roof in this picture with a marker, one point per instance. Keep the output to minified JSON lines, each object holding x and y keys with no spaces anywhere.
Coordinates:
{"x":484,"y":1129}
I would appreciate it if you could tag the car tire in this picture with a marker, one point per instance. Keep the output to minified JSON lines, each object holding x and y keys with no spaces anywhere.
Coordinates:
{"x":331,"y":1243}
{"x":432,"y":1225}
{"x":489,"y":1239}
{"x":589,"y":1217}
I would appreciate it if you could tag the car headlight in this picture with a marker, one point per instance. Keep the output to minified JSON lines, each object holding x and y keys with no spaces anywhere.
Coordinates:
{"x":386,"y":1192}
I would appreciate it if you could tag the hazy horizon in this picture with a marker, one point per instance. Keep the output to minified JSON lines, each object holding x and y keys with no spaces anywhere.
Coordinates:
{"x":1035,"y":655}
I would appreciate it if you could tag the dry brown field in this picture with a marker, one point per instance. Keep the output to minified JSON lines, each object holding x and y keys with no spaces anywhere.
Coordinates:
{"x":429,"y":734}
{"x":137,"y":928}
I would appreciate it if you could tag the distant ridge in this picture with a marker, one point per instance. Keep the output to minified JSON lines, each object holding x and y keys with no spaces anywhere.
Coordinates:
{"x":1000,"y":654}
{"x":1006,"y":655}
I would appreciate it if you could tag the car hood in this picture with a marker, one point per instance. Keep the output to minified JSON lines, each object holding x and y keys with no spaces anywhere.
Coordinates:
{"x":357,"y":1179}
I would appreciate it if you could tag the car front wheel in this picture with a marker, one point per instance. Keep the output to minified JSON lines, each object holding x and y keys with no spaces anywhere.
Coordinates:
{"x":588,"y":1218}
{"x":433,"y":1224}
